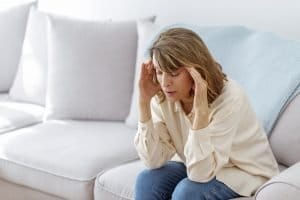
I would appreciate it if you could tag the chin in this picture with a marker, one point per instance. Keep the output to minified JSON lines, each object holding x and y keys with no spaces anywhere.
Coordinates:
{"x":171,"y":99}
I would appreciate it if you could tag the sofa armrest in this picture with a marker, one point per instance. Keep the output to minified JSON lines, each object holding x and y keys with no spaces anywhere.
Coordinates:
{"x":285,"y":186}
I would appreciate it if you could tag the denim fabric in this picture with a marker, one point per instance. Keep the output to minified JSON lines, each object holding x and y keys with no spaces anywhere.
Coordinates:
{"x":170,"y":181}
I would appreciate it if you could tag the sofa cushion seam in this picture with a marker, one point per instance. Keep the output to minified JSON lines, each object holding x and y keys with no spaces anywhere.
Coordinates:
{"x":274,"y":182}
{"x":102,"y":187}
{"x":45,"y":171}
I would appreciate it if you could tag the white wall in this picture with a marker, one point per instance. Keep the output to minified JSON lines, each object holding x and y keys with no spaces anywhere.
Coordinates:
{"x":279,"y":16}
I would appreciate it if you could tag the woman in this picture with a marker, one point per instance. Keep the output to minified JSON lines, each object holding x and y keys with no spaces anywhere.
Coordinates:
{"x":190,"y":108}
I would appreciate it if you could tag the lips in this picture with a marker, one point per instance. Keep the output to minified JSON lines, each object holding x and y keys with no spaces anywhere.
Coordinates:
{"x":170,"y":92}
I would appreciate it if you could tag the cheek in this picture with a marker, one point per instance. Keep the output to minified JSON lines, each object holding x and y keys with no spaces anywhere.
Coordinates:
{"x":188,"y":86}
{"x":187,"y":82}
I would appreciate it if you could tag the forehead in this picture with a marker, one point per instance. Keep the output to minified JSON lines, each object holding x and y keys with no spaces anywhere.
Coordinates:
{"x":165,"y":68}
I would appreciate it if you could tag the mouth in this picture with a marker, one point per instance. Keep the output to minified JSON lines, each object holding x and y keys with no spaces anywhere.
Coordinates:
{"x":170,"y":93}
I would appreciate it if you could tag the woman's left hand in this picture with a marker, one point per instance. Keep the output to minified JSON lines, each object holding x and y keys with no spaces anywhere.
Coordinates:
{"x":200,"y":104}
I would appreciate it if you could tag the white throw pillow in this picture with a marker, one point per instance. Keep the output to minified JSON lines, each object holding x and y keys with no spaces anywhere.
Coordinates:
{"x":30,"y":82}
{"x":147,"y":30}
{"x":12,"y":29}
{"x":91,"y":69}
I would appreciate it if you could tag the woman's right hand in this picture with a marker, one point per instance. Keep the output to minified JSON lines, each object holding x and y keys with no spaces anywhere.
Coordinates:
{"x":147,"y":87}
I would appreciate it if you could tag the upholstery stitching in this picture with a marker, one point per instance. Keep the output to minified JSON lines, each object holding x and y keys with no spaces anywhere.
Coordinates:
{"x":111,"y":192}
{"x":272,"y":183}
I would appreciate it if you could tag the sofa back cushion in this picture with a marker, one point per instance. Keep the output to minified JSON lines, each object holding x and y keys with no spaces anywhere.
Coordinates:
{"x":91,"y":69}
{"x":146,"y":29}
{"x":285,"y":137}
{"x":30,"y":82}
{"x":12,"y":29}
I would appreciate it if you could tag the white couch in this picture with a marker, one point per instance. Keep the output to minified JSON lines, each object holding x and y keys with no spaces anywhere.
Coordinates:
{"x":68,"y":113}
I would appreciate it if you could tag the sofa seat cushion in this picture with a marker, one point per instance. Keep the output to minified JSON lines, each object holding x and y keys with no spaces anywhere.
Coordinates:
{"x":286,"y":185}
{"x":118,"y":183}
{"x":14,"y":115}
{"x":64,"y":157}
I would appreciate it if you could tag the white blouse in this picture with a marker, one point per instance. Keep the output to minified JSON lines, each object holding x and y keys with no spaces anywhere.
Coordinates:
{"x":233,"y":147}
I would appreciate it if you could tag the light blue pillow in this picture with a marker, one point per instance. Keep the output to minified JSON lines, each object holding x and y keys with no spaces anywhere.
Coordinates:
{"x":265,"y":65}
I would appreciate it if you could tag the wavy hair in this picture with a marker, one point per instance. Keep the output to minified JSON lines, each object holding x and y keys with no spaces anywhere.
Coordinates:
{"x":181,"y":47}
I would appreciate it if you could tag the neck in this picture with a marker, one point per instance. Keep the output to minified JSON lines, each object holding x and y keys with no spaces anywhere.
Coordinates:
{"x":187,"y":106}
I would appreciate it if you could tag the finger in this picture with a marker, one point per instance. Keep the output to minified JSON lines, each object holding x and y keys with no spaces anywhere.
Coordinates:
{"x":143,"y":69}
{"x":197,"y":78}
{"x":148,"y":61}
{"x":192,"y":73}
{"x":196,"y":75}
{"x":150,"y":69}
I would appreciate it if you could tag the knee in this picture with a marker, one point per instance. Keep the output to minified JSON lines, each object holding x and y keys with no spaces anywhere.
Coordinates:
{"x":143,"y":179}
{"x":145,"y":183}
{"x":182,"y":190}
{"x":187,"y":188}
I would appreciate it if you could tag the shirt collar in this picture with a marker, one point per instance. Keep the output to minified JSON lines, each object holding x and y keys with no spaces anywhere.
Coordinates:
{"x":178,"y":107}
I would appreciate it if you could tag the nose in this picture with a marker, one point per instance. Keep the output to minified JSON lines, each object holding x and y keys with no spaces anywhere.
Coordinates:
{"x":166,"y":80}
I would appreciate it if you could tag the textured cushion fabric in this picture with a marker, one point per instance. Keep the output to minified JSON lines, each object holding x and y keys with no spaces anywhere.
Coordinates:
{"x":285,"y":137}
{"x":12,"y":29}
{"x":30,"y":82}
{"x":11,"y":191}
{"x":14,"y":115}
{"x":91,"y":69}
{"x":286,"y":185}
{"x":118,"y":183}
{"x":147,"y":29}
{"x":63,"y":158}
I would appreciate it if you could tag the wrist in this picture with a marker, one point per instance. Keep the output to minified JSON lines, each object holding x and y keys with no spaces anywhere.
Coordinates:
{"x":144,"y":102}
{"x":144,"y":111}
{"x":200,"y":122}
{"x":144,"y":99}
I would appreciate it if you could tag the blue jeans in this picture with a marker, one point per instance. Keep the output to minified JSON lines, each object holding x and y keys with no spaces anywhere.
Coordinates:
{"x":170,"y":181}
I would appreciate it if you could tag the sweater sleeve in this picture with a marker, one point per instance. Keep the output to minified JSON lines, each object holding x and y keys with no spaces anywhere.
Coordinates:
{"x":207,"y":150}
{"x":152,"y":141}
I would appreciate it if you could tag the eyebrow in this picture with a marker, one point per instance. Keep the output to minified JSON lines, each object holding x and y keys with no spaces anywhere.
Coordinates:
{"x":179,"y":70}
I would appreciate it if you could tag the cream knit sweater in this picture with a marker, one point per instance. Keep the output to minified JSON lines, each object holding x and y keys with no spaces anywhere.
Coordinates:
{"x":233,"y":147}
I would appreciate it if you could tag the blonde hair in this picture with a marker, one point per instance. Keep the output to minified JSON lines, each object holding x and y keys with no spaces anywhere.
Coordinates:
{"x":180,"y":47}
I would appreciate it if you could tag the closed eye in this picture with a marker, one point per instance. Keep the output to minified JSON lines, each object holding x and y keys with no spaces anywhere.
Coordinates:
{"x":173,"y":74}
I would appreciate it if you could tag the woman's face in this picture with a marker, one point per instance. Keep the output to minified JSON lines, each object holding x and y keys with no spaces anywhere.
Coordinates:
{"x":176,"y":85}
